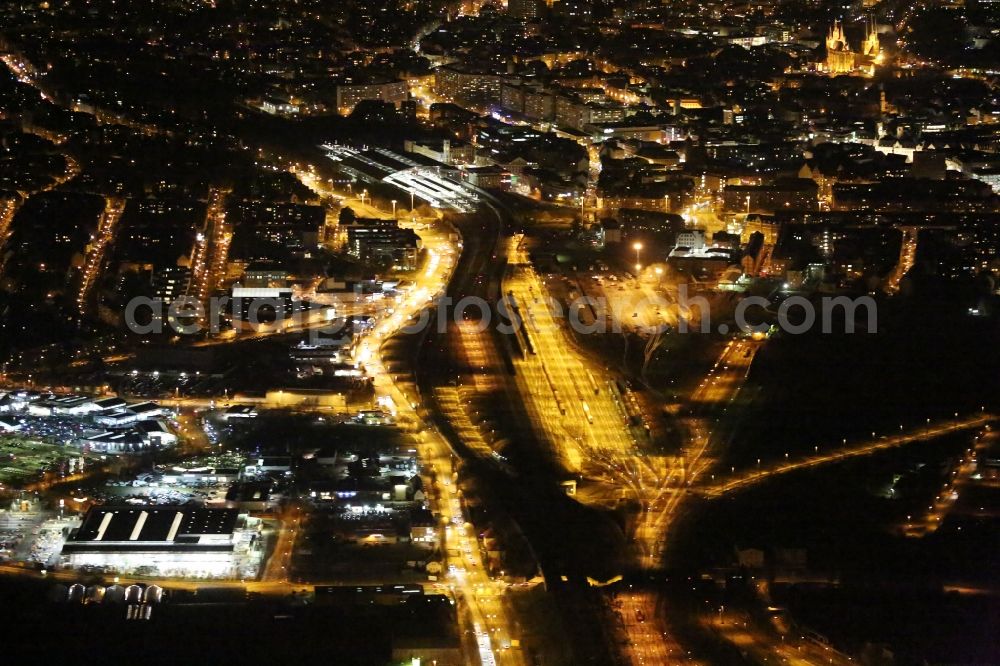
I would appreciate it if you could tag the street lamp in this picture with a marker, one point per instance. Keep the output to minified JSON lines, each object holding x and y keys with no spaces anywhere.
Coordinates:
{"x":638,"y":248}
{"x":666,"y":203}
{"x":364,"y":194}
{"x":393,"y":209}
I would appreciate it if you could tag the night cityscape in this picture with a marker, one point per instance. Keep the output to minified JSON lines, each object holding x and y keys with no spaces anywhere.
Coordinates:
{"x":500,"y":332}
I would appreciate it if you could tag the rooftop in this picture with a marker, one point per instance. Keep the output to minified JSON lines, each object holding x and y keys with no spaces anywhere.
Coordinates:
{"x":164,"y":525}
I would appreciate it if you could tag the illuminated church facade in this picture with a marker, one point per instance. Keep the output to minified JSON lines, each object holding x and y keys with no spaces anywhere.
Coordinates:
{"x":842,"y":59}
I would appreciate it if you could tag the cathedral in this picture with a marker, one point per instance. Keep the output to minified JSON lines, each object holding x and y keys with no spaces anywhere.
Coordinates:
{"x":842,"y":59}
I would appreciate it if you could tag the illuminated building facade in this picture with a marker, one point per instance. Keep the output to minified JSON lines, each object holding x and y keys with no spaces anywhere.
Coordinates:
{"x":842,"y":59}
{"x":167,"y":541}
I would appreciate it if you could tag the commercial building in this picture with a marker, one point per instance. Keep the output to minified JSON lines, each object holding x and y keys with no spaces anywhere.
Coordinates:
{"x":140,"y":436}
{"x":191,"y":475}
{"x":530,"y":100}
{"x":167,"y":541}
{"x":630,"y":131}
{"x":261,"y":305}
{"x":694,"y":255}
{"x":251,"y":496}
{"x":578,"y":114}
{"x":488,"y":177}
{"x":524,"y":10}
{"x":240,"y":412}
{"x":326,"y":347}
{"x":276,"y":106}
{"x":342,"y":292}
{"x":122,"y":416}
{"x":170,"y":283}
{"x":63,"y":405}
{"x":267,"y":465}
{"x":156,"y":433}
{"x":265,"y":274}
{"x":265,"y":229}
{"x":349,"y":94}
{"x":444,"y":151}
{"x":498,"y":137}
{"x":469,"y":86}
{"x":384,"y":240}
{"x":19,"y":400}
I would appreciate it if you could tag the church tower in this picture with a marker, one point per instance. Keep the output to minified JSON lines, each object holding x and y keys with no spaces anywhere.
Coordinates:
{"x":835,"y":40}
{"x":871,"y":47}
{"x":840,"y":59}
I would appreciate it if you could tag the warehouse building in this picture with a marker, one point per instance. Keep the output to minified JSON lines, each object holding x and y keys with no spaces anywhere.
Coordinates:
{"x":177,"y":541}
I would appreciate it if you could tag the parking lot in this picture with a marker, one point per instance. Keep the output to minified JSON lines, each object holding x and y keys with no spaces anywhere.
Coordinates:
{"x":54,"y":429}
{"x":616,"y":300}
{"x":23,"y":459}
{"x":154,"y":493}
{"x":183,"y":385}
{"x":48,"y":539}
{"x":33,"y":536}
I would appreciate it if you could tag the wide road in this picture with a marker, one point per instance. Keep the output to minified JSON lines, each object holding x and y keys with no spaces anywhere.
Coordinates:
{"x":487,"y":628}
{"x":930,"y":431}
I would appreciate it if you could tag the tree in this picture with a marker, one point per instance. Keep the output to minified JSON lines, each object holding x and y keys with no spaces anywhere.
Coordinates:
{"x":347,"y":216}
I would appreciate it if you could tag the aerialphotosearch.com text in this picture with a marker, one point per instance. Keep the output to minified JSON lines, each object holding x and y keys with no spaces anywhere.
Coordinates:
{"x":584,"y":315}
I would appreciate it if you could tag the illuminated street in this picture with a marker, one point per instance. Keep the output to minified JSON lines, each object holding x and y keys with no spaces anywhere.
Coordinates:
{"x":103,"y":236}
{"x":479,"y":595}
{"x":530,"y":332}
{"x":907,"y":255}
{"x":212,"y":245}
{"x":841,"y":453}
